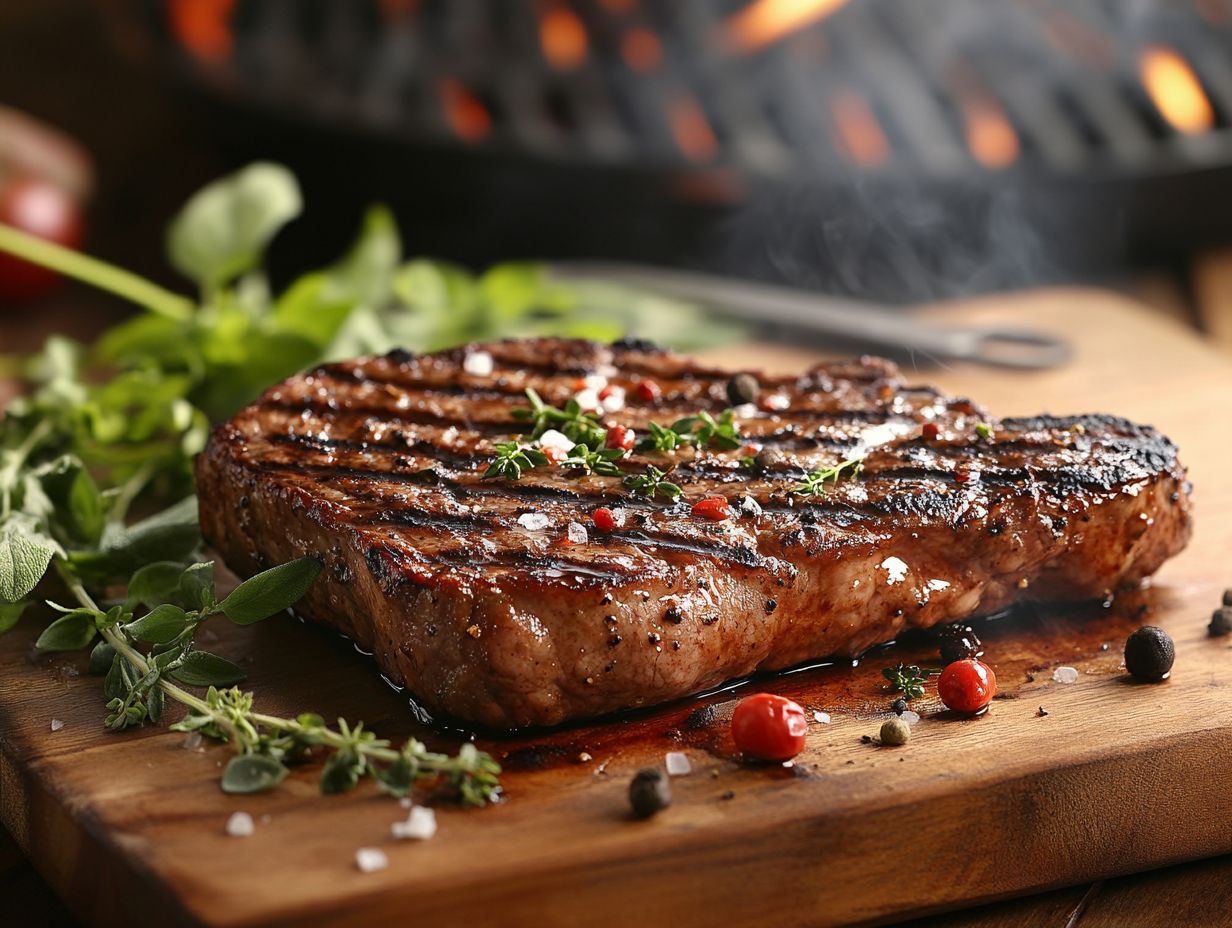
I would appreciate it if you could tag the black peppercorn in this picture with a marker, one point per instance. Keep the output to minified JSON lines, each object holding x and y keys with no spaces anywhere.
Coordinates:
{"x":1149,"y":653}
{"x":743,"y":388}
{"x":768,"y":458}
{"x":959,"y":642}
{"x":899,"y":706}
{"x":1221,"y":622}
{"x":649,"y":792}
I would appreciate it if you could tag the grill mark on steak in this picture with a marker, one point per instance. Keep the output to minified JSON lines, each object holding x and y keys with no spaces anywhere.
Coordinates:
{"x":376,"y":466}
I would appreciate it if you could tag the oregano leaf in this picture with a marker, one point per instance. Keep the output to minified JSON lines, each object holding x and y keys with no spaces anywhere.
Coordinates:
{"x":270,"y":591}
{"x":71,"y":631}
{"x":159,"y":625}
{"x":201,"y":668}
{"x":252,"y":773}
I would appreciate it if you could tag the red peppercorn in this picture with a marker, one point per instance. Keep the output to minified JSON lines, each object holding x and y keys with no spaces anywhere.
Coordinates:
{"x":966,"y":475}
{"x":967,"y":686}
{"x":647,"y":391}
{"x":605,"y":519}
{"x":714,"y":508}
{"x":750,"y":450}
{"x":931,"y":430}
{"x":769,"y":727}
{"x":620,"y":437}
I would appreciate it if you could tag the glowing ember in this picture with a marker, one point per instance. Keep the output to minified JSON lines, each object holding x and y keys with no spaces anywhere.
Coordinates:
{"x":641,"y":50}
{"x":858,"y":129}
{"x":991,"y":139}
{"x":464,"y":112}
{"x":1176,"y":91}
{"x":563,"y":38}
{"x":691,"y":129}
{"x":764,"y":22}
{"x":202,"y":26}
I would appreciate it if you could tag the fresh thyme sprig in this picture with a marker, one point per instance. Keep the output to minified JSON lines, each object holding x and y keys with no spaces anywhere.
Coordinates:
{"x":652,"y":483}
{"x":601,"y":461}
{"x":513,"y":459}
{"x":814,"y":484}
{"x":576,"y":424}
{"x":662,"y":438}
{"x":907,"y":679}
{"x":702,"y":430}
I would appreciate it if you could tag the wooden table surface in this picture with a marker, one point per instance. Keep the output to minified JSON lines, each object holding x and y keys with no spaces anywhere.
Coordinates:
{"x":1121,"y":353}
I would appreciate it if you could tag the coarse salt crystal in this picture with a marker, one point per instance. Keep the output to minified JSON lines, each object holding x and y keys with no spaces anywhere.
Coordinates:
{"x":588,"y":399}
{"x":823,"y":717}
{"x":576,"y":532}
{"x":677,"y":764}
{"x":478,"y":363}
{"x":406,"y":802}
{"x":533,"y":521}
{"x":594,"y":382}
{"x":750,"y":506}
{"x":371,"y":859}
{"x":1065,"y":675}
{"x":240,"y":825}
{"x":56,"y":724}
{"x":613,"y":399}
{"x":192,"y":741}
{"x":420,"y":824}
{"x":554,"y":439}
{"x":910,"y":717}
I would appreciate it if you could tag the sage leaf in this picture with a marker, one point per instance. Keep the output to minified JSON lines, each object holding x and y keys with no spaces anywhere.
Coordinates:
{"x":270,"y":591}
{"x":71,"y":631}
{"x":10,"y":613}
{"x":160,"y":625}
{"x":223,"y":230}
{"x":25,"y":552}
{"x":201,"y":668}
{"x":154,"y":583}
{"x":172,"y":533}
{"x":252,"y":773}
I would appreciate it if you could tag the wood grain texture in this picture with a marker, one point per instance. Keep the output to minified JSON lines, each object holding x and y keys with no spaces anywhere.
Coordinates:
{"x":1117,"y":778}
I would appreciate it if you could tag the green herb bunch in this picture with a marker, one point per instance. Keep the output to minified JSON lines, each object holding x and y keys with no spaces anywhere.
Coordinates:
{"x":814,"y":483}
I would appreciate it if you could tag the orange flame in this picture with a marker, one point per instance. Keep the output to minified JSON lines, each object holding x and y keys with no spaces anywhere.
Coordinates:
{"x":991,"y":139}
{"x":464,"y":111}
{"x":562,"y":38}
{"x":764,"y":22}
{"x":641,"y":50}
{"x":1176,"y":91}
{"x":203,"y":26}
{"x":858,"y":130}
{"x":691,"y":129}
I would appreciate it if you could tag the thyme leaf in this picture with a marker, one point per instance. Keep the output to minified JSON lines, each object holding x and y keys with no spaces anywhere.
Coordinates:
{"x":814,"y":484}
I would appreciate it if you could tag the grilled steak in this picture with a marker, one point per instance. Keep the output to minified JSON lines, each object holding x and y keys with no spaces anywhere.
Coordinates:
{"x":480,"y":597}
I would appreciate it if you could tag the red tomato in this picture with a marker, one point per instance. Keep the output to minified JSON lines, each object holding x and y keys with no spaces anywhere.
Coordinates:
{"x":967,"y":686}
{"x":714,"y":508}
{"x":769,"y":727}
{"x":647,"y":391}
{"x":931,"y":430}
{"x":605,"y":519}
{"x":41,"y":208}
{"x":620,"y":437}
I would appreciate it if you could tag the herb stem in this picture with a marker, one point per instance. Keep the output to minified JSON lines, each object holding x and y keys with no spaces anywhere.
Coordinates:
{"x":129,"y":490}
{"x":98,"y":273}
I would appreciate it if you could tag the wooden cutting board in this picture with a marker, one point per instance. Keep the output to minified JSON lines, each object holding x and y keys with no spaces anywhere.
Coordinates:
{"x":1117,"y":777}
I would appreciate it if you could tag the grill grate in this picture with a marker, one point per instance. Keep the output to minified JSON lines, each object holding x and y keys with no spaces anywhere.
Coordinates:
{"x":939,"y":86}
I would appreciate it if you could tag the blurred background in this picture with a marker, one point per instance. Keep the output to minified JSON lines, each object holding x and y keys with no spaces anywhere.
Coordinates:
{"x":898,"y":152}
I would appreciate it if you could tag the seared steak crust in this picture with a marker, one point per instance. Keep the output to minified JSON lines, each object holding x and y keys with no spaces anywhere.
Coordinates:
{"x":376,"y":467}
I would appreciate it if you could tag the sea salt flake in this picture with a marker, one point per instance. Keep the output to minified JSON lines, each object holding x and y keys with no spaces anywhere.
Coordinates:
{"x":420,"y":824}
{"x":478,"y":363}
{"x":557,"y":440}
{"x":533,"y":521}
{"x":371,"y":859}
{"x":594,"y":382}
{"x":240,"y":825}
{"x":576,"y":533}
{"x":613,"y":399}
{"x":192,"y":741}
{"x":56,"y":724}
{"x":896,"y":568}
{"x":678,"y":764}
{"x":589,"y":400}
{"x":1065,"y":675}
{"x":750,"y":506}
{"x":823,"y":717}
{"x":910,"y":717}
